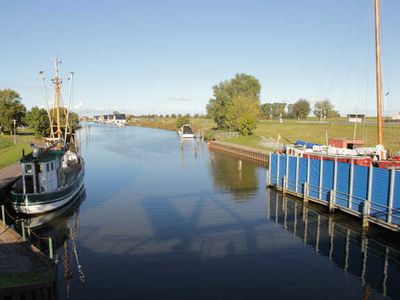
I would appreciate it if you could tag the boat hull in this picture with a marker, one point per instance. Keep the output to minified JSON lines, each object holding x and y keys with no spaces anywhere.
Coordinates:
{"x":33,"y":204}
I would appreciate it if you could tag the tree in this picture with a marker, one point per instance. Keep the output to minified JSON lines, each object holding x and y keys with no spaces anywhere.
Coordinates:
{"x":279,"y":109}
{"x":38,"y":119}
{"x":242,"y":85}
{"x":11,"y":109}
{"x":242,"y":114}
{"x":73,"y":118}
{"x":325,"y":109}
{"x":182,"y":120}
{"x":300,"y":109}
{"x":266,"y":110}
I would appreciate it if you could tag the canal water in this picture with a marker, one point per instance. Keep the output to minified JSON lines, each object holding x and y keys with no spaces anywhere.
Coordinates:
{"x":165,"y":219}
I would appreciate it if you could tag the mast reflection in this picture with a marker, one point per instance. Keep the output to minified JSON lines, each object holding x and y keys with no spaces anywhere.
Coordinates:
{"x":340,"y":239}
{"x":61,"y":226}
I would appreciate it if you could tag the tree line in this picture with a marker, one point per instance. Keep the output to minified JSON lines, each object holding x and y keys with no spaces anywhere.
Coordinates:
{"x":12,"y":108}
{"x":299,"y":110}
{"x":235,"y":105}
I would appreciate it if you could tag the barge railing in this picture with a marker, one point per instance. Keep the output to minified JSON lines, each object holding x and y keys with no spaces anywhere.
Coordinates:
{"x":372,"y":194}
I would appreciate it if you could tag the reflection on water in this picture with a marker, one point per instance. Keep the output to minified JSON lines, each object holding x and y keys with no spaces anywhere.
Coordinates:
{"x":61,"y":226}
{"x":375,"y":262}
{"x":242,"y":184}
{"x":167,"y":219}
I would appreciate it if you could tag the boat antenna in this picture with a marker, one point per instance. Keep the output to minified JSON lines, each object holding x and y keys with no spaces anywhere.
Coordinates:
{"x":378,"y":73}
{"x":46,"y":99}
{"x":70,"y":93}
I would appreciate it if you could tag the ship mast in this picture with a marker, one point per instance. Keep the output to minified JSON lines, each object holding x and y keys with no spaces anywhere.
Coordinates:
{"x":57,"y":99}
{"x":378,"y":73}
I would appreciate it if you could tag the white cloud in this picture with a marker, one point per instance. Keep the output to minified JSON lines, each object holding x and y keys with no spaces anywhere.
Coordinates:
{"x":181,"y":98}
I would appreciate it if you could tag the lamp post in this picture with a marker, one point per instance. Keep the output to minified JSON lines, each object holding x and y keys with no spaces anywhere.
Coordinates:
{"x":14,"y":122}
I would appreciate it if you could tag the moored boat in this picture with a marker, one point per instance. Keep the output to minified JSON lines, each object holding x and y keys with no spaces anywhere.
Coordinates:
{"x":186,"y":131}
{"x":51,"y":176}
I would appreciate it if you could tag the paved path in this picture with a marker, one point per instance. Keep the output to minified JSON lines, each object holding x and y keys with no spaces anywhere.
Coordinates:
{"x":7,"y":176}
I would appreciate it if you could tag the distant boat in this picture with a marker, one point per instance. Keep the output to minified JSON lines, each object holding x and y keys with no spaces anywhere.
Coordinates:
{"x":186,"y":132}
{"x":51,"y":176}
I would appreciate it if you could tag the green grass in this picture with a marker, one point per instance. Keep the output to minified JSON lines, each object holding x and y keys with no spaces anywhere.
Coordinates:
{"x":250,"y":140}
{"x":5,"y":143}
{"x":291,"y":130}
{"x":12,"y":154}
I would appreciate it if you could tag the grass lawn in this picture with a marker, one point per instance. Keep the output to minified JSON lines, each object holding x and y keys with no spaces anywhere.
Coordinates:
{"x":291,"y":130}
{"x":251,"y":141}
{"x":10,"y":153}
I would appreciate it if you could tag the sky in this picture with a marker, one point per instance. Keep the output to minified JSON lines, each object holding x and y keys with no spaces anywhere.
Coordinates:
{"x":164,"y":56}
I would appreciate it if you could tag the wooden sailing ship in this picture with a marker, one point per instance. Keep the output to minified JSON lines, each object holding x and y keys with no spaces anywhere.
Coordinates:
{"x":51,"y":176}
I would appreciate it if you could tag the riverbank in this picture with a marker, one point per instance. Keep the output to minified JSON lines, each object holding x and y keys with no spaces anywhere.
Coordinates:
{"x":271,"y":134}
{"x":11,"y":153}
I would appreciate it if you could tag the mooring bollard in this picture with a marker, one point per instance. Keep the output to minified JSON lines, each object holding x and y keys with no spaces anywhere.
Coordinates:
{"x":50,"y":248}
{"x":23,"y":231}
{"x":3,"y":215}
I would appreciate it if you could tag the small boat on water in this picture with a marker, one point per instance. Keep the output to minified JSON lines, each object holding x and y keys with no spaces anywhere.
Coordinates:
{"x":186,"y":132}
{"x":51,"y":176}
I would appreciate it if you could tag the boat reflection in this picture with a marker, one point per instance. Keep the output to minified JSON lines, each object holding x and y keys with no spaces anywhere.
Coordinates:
{"x":375,"y":261}
{"x":62,"y":227}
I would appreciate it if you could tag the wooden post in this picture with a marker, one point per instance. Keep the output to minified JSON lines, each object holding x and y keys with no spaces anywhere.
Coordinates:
{"x":350,"y":203}
{"x":50,"y":248}
{"x":23,"y":231}
{"x":284,"y":185}
{"x":269,"y":168}
{"x":278,"y":183}
{"x":305,"y":192}
{"x":3,"y":215}
{"x":391,"y":195}
{"x":297,"y":175}
{"x":321,"y":171}
{"x":332,"y":197}
{"x":239,"y":165}
{"x":287,"y":171}
{"x":366,"y":209}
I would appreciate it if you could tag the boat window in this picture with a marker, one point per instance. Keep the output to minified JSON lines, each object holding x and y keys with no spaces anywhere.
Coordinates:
{"x":47,"y":167}
{"x":29,"y":184}
{"x":52,"y":166}
{"x":28,"y":169}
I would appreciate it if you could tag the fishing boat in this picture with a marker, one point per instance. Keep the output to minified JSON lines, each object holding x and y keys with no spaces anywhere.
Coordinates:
{"x":186,"y":132}
{"x":352,"y":150}
{"x":51,"y":176}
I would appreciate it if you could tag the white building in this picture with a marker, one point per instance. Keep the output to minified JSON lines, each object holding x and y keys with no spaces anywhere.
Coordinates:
{"x":355,"y":118}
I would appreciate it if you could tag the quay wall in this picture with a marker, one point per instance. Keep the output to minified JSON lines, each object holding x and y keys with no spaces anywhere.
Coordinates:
{"x":367,"y":192}
{"x":240,"y":151}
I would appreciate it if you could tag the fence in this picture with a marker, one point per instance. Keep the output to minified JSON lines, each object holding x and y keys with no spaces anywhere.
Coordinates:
{"x":368,"y":192}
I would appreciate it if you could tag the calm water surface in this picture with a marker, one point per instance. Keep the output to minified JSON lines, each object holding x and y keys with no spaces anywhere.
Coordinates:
{"x":161,"y":219}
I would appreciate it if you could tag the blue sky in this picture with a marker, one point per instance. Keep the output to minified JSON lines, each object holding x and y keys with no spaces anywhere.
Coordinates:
{"x":165,"y":56}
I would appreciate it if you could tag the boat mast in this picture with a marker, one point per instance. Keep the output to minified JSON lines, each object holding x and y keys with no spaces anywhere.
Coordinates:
{"x":57,"y":100}
{"x":378,"y":73}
